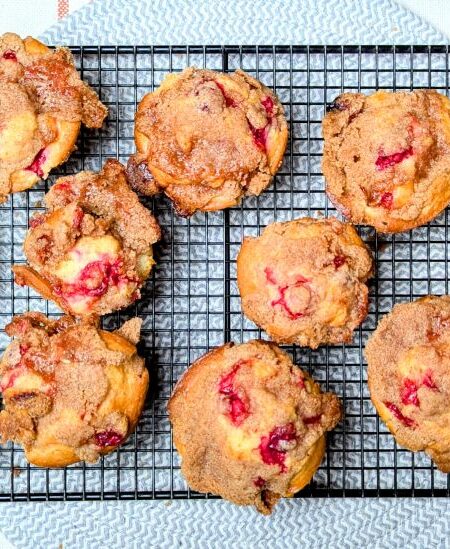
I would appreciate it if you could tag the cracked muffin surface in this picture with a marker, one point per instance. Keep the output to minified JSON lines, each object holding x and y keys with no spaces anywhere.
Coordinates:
{"x":249,"y":424}
{"x":386,"y":157}
{"x":304,"y":281}
{"x":43,"y":102}
{"x":71,"y":392}
{"x":408,"y":359}
{"x":91,"y":252}
{"x":206,"y":139}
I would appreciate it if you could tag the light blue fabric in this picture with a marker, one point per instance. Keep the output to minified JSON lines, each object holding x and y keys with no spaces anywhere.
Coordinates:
{"x":243,"y":22}
{"x":310,"y":523}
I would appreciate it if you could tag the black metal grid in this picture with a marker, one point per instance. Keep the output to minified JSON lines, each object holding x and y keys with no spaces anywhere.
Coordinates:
{"x":192,"y":303}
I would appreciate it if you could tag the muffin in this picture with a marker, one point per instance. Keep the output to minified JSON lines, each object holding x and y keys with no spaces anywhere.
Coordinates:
{"x":92,"y":251}
{"x":71,"y":392}
{"x":386,"y":157}
{"x":206,"y":139}
{"x":409,"y":375}
{"x":42,"y":105}
{"x":249,"y":425}
{"x":304,"y":281}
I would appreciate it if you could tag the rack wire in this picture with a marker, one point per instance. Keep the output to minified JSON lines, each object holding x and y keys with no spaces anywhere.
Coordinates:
{"x":191,"y":304}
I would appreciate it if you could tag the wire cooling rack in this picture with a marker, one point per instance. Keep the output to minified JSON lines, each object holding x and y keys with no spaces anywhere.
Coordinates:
{"x":192,"y":302}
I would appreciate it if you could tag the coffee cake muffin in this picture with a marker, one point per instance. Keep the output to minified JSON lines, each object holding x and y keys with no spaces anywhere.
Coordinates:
{"x":304,"y":281}
{"x":42,"y":105}
{"x":71,"y":392}
{"x":92,"y":251}
{"x":409,"y":375}
{"x":249,"y":425}
{"x":386,"y":157}
{"x":206,"y":139}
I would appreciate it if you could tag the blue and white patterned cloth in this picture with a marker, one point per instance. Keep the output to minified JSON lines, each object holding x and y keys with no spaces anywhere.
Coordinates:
{"x":310,"y":523}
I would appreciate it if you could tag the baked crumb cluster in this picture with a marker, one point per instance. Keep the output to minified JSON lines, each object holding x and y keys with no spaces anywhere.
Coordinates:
{"x":386,"y":157}
{"x":43,"y":102}
{"x":92,"y":250}
{"x":71,"y":391}
{"x":303,"y":281}
{"x":206,"y":139}
{"x":249,"y":425}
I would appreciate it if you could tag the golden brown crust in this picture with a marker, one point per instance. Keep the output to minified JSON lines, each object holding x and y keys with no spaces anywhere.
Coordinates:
{"x":409,"y":375}
{"x":208,"y":139}
{"x":386,"y":157}
{"x":71,"y":392}
{"x":42,"y":105}
{"x":249,"y":425}
{"x":92,"y":251}
{"x":304,"y":281}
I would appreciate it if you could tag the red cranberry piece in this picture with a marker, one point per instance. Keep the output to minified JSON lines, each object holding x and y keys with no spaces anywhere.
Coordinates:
{"x":23,"y":348}
{"x":45,"y":246}
{"x":387,"y":200}
{"x":10,"y":54}
{"x":312,"y":420}
{"x":94,"y":279}
{"x":36,"y":221}
{"x":299,"y":380}
{"x":28,"y":395}
{"x":293,"y":315}
{"x":387,"y":160}
{"x":36,"y":165}
{"x":269,"y":275}
{"x":108,"y":438}
{"x":408,"y":394}
{"x":11,"y":378}
{"x":238,"y":407}
{"x":135,"y":296}
{"x":259,"y":482}
{"x":115,"y":274}
{"x":229,"y":101}
{"x":427,"y":381}
{"x":78,"y":218}
{"x":338,"y":261}
{"x":409,"y":390}
{"x":274,"y":446}
{"x":407,"y":421}
{"x":268,"y":104}
{"x":62,"y":187}
{"x":259,"y":136}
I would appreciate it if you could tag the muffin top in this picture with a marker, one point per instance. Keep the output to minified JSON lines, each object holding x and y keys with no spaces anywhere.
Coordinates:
{"x":409,"y":375}
{"x":303,"y":281}
{"x":249,"y":424}
{"x":70,"y":391}
{"x":208,"y":138}
{"x":42,"y":103}
{"x":92,"y":250}
{"x":387,"y":157}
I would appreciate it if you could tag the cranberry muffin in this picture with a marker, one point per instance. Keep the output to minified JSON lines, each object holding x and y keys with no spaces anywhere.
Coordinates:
{"x":42,"y":105}
{"x":304,"y":281}
{"x":386,"y":157}
{"x":71,"y":392}
{"x":206,"y":139}
{"x":409,"y":375}
{"x":92,"y":251}
{"x":249,"y":425}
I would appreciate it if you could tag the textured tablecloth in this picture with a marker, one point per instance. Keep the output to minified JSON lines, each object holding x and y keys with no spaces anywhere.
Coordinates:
{"x":310,"y":523}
